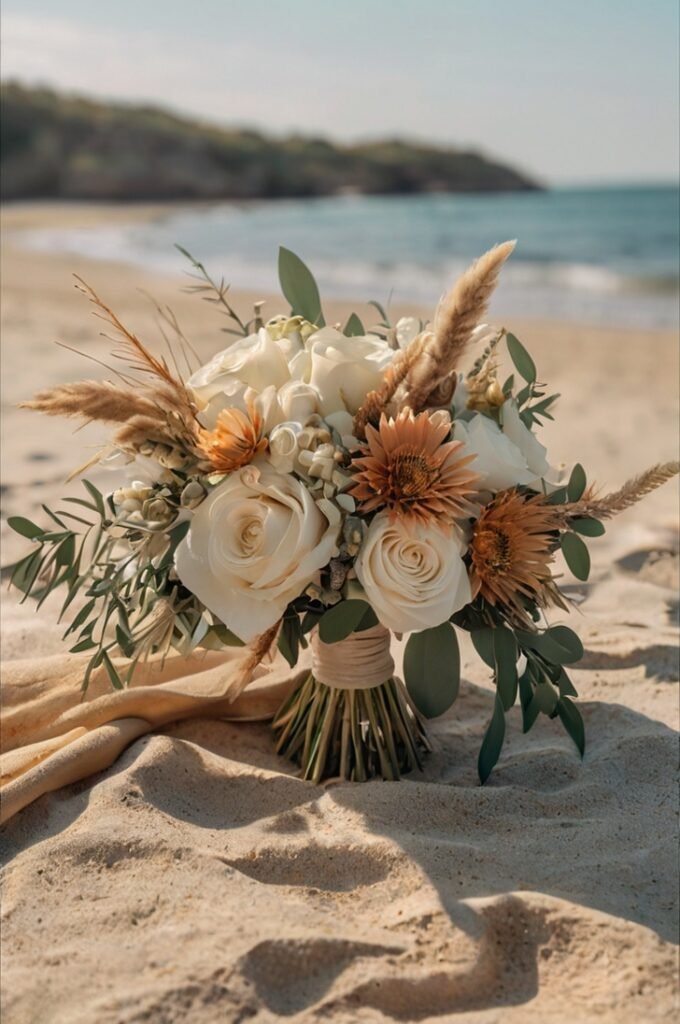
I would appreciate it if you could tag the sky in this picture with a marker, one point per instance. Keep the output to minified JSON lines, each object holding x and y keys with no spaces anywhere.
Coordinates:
{"x":571,"y":91}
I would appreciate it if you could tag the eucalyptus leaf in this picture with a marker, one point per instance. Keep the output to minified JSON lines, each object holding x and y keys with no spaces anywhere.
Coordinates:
{"x":111,"y":671}
{"x":546,"y":698}
{"x":341,"y":620}
{"x":550,"y":645}
{"x":557,"y":497}
{"x":568,"y":640}
{"x":309,"y":620}
{"x":25,"y":527}
{"x":577,"y":482}
{"x":299,"y":287}
{"x":482,"y":641}
{"x":567,"y":688}
{"x":587,"y":527}
{"x":219,"y":637}
{"x":381,"y":309}
{"x":80,"y":617}
{"x":521,"y":358}
{"x":96,"y":496}
{"x":25,"y":572}
{"x":66,"y":551}
{"x":124,"y":642}
{"x":530,"y":713}
{"x":572,"y":722}
{"x":354,"y":327}
{"x":369,"y":620}
{"x":576,"y":555}
{"x":492,"y":744}
{"x":432,"y":669}
{"x":289,"y":640}
{"x":83,"y":645}
{"x":526,"y":694}
{"x":505,"y":665}
{"x":225,"y":636}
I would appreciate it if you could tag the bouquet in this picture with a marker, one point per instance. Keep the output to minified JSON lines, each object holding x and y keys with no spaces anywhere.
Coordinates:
{"x":325,"y":486}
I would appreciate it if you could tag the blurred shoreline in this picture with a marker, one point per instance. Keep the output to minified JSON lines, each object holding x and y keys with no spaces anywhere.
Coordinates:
{"x":601,"y":257}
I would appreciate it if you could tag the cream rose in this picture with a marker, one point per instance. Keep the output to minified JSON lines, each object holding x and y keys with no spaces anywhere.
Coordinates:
{"x":284,"y":447}
{"x":298,"y":401}
{"x":254,"y":545}
{"x":505,"y":458}
{"x":255,"y":361}
{"x":499,"y":463}
{"x":413,"y":575}
{"x":531,"y":448}
{"x":344,"y":370}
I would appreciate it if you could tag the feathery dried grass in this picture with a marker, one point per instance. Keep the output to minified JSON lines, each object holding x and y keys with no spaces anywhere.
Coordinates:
{"x":378,"y":401}
{"x":134,"y":352}
{"x":259,"y":649}
{"x":458,"y":314}
{"x":157,"y":409}
{"x":94,"y":400}
{"x":631,"y":492}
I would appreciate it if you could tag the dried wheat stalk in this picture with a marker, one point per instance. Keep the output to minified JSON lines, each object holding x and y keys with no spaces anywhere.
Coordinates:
{"x":258,"y":651}
{"x":631,"y":492}
{"x":377,"y":401}
{"x":161,"y":411}
{"x":458,"y":314}
{"x":95,"y":400}
{"x":134,"y":351}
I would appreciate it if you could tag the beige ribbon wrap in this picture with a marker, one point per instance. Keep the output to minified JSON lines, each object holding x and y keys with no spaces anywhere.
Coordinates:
{"x":359,"y":662}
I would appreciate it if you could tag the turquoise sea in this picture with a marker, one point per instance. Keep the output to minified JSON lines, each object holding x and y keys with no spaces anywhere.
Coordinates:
{"x":596,"y":255}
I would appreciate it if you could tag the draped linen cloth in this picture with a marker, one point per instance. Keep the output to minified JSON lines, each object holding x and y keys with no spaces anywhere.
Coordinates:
{"x":53,"y":735}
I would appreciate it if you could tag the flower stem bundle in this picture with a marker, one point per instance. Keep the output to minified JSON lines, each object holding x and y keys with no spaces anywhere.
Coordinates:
{"x":351,"y":734}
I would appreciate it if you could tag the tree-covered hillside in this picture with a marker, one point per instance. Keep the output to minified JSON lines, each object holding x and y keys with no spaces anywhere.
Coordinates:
{"x":58,"y":146}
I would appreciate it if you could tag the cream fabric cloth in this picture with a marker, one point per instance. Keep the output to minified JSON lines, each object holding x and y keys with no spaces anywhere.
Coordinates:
{"x":52,"y":736}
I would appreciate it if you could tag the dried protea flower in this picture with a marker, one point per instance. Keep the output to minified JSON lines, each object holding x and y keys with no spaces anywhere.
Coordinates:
{"x":512,"y":548}
{"x":408,"y":467}
{"x":235,"y":441}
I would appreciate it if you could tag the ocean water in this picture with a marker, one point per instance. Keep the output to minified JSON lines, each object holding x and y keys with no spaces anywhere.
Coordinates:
{"x":598,"y":255}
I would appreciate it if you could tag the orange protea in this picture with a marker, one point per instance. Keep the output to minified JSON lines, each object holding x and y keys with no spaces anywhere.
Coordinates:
{"x":235,"y":441}
{"x":512,"y":547}
{"x":407,"y":467}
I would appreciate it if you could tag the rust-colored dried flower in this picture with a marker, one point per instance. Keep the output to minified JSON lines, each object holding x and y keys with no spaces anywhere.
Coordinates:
{"x":235,"y":440}
{"x":408,"y":467}
{"x":512,"y":548}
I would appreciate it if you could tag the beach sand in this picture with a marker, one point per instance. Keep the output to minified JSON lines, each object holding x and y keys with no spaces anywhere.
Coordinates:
{"x":198,"y":879}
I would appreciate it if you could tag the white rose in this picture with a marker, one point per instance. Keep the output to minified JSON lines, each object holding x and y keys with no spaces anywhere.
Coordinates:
{"x":499,"y":463}
{"x":344,"y":370}
{"x":413,"y":575}
{"x":284,"y":447}
{"x":531,"y":448}
{"x":254,"y":545}
{"x":298,"y":401}
{"x":255,"y":361}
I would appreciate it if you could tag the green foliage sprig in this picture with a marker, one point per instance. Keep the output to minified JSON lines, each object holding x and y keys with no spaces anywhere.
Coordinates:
{"x":133,"y":602}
